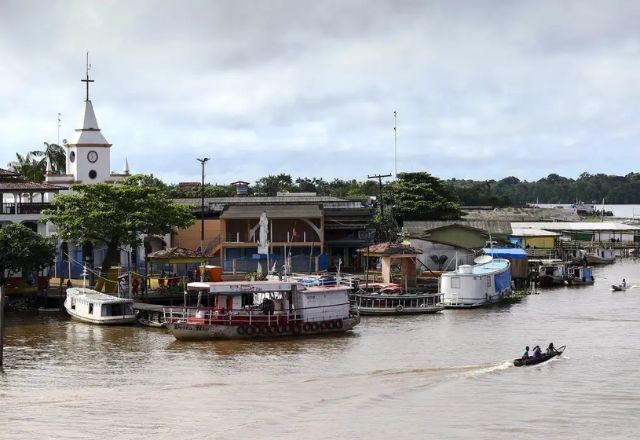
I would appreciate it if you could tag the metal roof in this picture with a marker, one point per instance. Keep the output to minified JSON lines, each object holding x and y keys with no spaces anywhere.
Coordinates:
{"x":575,"y":226}
{"x":532,"y":232}
{"x":491,"y":226}
{"x":286,"y":211}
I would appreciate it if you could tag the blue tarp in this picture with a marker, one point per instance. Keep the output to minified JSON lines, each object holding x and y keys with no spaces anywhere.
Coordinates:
{"x":509,"y":253}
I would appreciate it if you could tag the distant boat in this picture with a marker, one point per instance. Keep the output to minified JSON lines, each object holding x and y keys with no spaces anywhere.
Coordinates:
{"x":390,"y":300}
{"x":618,"y":288}
{"x":95,"y":307}
{"x":520,"y":362}
{"x":600,"y":256}
{"x":551,"y":273}
{"x":486,"y":282}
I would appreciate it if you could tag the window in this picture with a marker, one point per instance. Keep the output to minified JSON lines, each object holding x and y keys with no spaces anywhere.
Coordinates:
{"x":488,"y":281}
{"x":90,"y":308}
{"x":455,"y":282}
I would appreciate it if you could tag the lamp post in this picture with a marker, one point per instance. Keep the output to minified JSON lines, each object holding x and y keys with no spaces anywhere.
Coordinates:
{"x":202,"y":162}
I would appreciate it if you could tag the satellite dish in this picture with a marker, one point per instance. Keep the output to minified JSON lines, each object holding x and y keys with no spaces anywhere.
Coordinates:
{"x":483,"y":259}
{"x":64,"y":142}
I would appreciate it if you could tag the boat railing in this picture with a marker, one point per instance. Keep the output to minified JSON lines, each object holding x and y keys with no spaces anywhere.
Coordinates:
{"x":382,"y":301}
{"x":248,"y":315}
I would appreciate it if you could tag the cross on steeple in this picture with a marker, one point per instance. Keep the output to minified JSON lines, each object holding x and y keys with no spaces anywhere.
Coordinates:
{"x":87,"y":80}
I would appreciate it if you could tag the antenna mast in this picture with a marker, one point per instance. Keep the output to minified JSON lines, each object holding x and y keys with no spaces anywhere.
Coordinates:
{"x":395,"y":141}
{"x":59,"y":128}
{"x":87,"y":80}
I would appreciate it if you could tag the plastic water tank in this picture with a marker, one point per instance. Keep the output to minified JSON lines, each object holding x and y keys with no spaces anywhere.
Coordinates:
{"x":465,"y":268}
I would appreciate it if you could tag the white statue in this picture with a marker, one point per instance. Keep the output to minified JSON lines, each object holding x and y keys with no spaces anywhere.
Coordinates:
{"x":263,"y":244}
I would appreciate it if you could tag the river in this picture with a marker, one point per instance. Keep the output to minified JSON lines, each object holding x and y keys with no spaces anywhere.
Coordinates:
{"x":435,"y":376}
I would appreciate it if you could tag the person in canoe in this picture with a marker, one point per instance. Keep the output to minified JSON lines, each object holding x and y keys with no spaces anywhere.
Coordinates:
{"x":624,"y":283}
{"x":537,"y":353}
{"x":551,"y":349}
{"x":525,"y":355}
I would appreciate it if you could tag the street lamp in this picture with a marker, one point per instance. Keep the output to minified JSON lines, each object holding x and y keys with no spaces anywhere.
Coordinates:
{"x":202,"y":162}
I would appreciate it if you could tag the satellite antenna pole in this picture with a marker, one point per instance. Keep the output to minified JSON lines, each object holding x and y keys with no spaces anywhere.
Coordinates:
{"x":59,"y":128}
{"x":395,"y":142}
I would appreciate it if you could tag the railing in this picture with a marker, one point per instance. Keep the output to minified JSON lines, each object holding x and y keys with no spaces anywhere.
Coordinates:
{"x":24,"y":208}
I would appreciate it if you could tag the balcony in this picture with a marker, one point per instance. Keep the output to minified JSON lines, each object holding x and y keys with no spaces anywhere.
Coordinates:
{"x":23,"y":208}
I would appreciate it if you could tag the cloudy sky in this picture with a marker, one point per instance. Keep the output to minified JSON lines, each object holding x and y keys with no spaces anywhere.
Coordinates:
{"x":483,"y":89}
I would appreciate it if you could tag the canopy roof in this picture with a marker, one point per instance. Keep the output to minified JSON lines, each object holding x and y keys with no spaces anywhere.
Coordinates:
{"x":175,"y":255}
{"x":508,"y":253}
{"x":390,"y":249}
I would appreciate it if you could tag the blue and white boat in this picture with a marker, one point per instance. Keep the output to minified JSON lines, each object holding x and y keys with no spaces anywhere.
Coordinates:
{"x":488,"y":281}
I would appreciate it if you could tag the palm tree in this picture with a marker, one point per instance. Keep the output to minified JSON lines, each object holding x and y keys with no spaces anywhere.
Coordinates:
{"x":29,"y":168}
{"x":56,"y":156}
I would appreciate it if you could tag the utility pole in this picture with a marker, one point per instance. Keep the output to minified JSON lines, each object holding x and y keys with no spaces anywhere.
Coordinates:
{"x":395,"y":142}
{"x":380,"y":177}
{"x":202,"y":161}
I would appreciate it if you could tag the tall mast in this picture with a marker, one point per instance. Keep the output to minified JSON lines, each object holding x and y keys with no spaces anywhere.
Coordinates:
{"x":395,"y":142}
{"x":88,"y":67}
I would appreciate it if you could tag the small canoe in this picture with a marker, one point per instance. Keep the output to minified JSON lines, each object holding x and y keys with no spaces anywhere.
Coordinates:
{"x":531,"y":361}
{"x":618,"y":288}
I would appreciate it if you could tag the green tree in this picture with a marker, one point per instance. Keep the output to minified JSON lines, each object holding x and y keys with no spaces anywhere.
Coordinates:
{"x":28,"y":167}
{"x":56,"y":156}
{"x":22,"y":250}
{"x":420,"y":196}
{"x":272,"y":184}
{"x":117,"y":214}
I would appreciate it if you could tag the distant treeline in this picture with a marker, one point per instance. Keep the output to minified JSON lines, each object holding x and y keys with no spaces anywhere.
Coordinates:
{"x":512,"y":191}
{"x":509,"y":191}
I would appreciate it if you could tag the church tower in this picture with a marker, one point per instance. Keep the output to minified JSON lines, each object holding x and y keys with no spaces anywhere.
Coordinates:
{"x":88,"y":152}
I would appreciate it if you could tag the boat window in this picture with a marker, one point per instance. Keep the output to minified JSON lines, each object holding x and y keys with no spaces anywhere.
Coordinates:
{"x":488,"y":281}
{"x":455,"y":282}
{"x":91,"y":308}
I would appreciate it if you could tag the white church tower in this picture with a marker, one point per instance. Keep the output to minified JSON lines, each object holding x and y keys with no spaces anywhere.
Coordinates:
{"x":88,"y":152}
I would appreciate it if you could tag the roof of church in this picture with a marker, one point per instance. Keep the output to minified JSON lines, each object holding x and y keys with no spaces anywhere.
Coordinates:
{"x":89,"y":132}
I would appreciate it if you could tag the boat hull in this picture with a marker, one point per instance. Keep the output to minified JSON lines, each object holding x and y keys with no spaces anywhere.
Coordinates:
{"x":184,"y":331}
{"x":111,"y":320}
{"x":379,"y":311}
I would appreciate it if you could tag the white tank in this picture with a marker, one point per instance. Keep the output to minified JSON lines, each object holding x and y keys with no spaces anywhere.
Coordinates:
{"x":465,"y":268}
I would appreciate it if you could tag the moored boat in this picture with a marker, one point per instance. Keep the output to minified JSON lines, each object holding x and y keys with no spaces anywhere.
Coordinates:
{"x":523,"y":362}
{"x":95,"y":307}
{"x":551,"y":273}
{"x":262,"y":309}
{"x":486,"y":282}
{"x":398,"y":303}
{"x":579,"y":276}
{"x":600,"y":256}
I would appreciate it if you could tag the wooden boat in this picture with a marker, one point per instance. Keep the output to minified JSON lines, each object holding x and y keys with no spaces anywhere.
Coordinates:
{"x":551,"y":273}
{"x":395,"y":303}
{"x":263,"y":309}
{"x":600,"y":256}
{"x":579,"y":276}
{"x":531,"y":361}
{"x":618,"y":288}
{"x":94,"y":307}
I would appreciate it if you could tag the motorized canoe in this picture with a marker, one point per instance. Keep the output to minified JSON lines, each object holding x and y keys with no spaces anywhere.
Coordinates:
{"x":618,"y":288}
{"x":520,"y":362}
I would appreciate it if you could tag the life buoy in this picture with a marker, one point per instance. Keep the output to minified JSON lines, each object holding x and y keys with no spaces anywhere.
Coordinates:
{"x":314,"y":326}
{"x":423,"y":305}
{"x":306,"y":327}
{"x":339,"y":323}
{"x":399,"y":308}
{"x":287,"y":328}
{"x":331,"y":325}
{"x":250,"y":330}
{"x":323,"y":325}
{"x":242,"y":331}
{"x":280,"y":328}
{"x":296,"y":329}
{"x":263,"y":329}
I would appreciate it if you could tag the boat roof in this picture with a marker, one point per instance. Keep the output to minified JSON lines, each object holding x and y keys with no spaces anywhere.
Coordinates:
{"x":94,"y":295}
{"x":492,"y":266}
{"x":513,"y":253}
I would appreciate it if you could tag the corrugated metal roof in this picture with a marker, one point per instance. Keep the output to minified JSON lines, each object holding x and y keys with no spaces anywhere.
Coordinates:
{"x":492,"y":226}
{"x":287,"y":211}
{"x":255,"y":200}
{"x":531,"y":232}
{"x":575,"y":226}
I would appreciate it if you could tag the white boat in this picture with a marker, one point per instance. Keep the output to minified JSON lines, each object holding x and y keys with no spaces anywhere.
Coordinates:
{"x":486,"y":282}
{"x":600,"y":256}
{"x":95,"y":307}
{"x":263,"y":309}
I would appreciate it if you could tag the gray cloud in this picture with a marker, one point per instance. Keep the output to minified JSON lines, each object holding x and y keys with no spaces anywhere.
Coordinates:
{"x":483,"y":89}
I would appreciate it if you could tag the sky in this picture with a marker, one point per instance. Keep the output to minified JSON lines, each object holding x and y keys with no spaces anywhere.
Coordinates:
{"x":482,"y":89}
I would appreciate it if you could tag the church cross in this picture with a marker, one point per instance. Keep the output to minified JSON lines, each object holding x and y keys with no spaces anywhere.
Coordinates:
{"x":87,"y":80}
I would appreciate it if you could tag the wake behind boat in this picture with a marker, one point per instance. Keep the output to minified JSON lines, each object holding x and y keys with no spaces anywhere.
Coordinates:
{"x":530,"y":360}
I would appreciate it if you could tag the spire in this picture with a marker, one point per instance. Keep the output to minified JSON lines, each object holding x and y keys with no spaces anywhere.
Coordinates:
{"x":126,"y":166}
